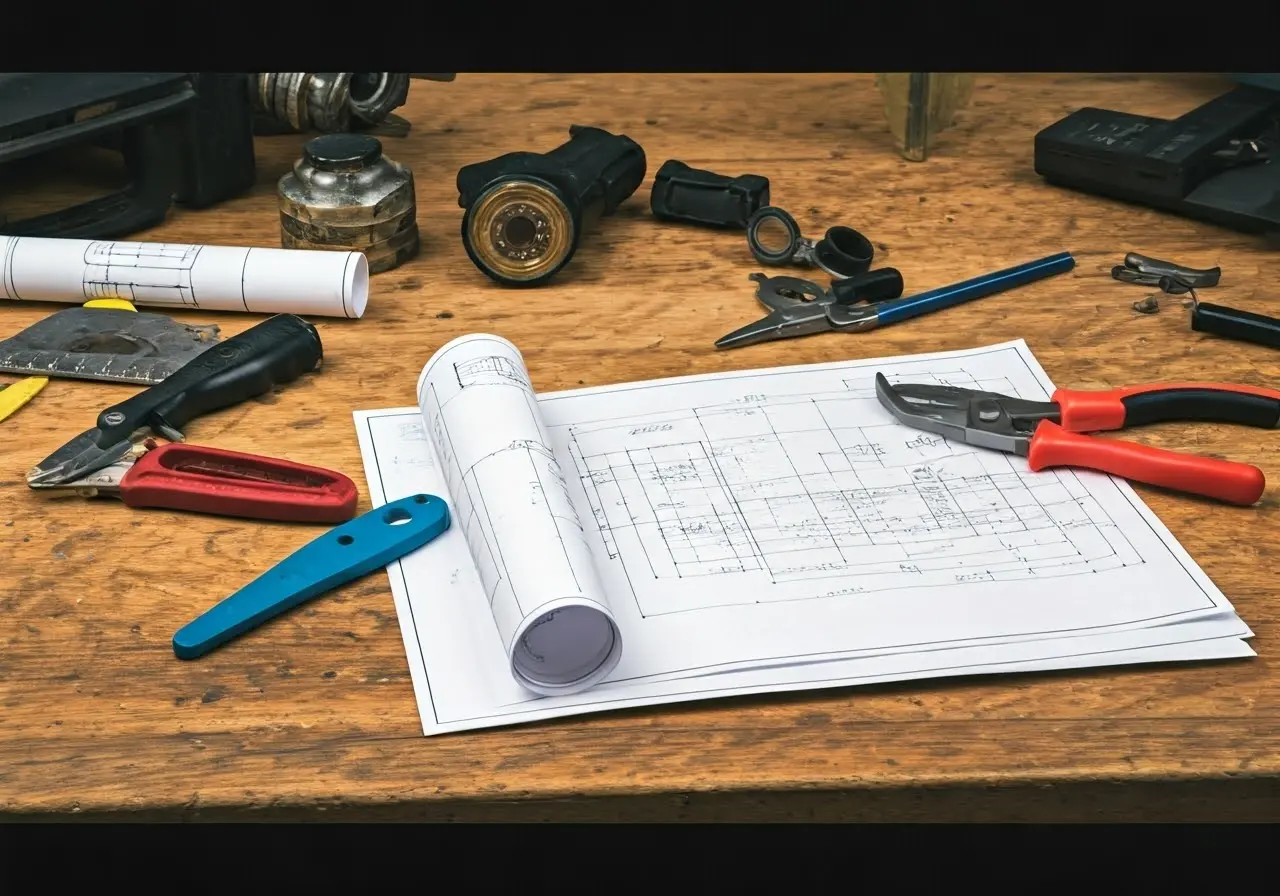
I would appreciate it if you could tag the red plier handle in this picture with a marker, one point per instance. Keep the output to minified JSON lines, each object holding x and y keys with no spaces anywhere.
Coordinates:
{"x":178,"y":476}
{"x":1054,"y":445}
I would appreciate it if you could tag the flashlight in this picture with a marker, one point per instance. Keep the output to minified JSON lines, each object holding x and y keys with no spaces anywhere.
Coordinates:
{"x":526,"y":212}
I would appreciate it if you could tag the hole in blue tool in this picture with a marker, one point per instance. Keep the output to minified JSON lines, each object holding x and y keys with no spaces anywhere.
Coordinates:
{"x":345,"y":539}
{"x":396,"y":516}
{"x":420,"y":499}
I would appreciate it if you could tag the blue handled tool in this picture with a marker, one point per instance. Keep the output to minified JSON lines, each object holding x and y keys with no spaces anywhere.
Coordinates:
{"x":800,"y":307}
{"x":356,"y":548}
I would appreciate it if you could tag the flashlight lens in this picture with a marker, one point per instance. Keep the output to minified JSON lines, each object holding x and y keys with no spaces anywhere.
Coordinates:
{"x":519,"y":232}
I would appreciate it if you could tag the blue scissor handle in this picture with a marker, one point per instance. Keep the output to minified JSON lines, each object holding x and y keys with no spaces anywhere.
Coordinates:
{"x":356,"y":548}
{"x":895,"y":310}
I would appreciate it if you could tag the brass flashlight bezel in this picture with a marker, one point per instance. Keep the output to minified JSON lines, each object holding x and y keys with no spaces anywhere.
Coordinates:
{"x":542,"y":201}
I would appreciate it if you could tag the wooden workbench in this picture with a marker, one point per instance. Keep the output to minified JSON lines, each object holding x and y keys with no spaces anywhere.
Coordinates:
{"x":313,"y":716}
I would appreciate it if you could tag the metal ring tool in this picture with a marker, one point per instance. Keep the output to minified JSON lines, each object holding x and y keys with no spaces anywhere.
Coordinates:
{"x":841,"y":253}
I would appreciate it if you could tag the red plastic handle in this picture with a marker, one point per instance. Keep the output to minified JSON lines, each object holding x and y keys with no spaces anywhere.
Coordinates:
{"x":1139,"y":405}
{"x":1235,"y":483}
{"x":178,"y":476}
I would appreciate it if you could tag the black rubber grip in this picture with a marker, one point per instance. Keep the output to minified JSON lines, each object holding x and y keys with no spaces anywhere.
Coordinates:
{"x":276,"y":351}
{"x":879,"y":285}
{"x":1232,"y":323}
{"x":1201,"y":405}
{"x":689,"y":195}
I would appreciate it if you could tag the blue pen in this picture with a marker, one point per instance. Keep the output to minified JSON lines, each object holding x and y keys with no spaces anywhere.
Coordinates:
{"x":800,"y":308}
{"x":354,"y":549}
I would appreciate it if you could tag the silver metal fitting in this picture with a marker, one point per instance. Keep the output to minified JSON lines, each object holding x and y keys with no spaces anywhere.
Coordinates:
{"x":331,"y":102}
{"x":343,"y":193}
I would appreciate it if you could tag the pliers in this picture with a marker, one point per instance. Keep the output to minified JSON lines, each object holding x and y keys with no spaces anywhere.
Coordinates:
{"x":873,"y":299}
{"x":179,"y":476}
{"x":1048,"y":433}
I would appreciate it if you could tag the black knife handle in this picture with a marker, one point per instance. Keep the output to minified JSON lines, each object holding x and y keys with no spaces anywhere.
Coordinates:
{"x":276,"y":351}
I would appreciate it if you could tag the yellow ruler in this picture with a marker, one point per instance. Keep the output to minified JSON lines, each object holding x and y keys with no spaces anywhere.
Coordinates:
{"x":121,"y":304}
{"x":15,"y":396}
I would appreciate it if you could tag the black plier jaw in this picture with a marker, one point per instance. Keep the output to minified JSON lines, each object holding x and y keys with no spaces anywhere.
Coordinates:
{"x":985,"y":419}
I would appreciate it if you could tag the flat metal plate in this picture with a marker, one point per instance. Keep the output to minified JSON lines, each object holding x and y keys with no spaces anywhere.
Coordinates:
{"x":105,"y":344}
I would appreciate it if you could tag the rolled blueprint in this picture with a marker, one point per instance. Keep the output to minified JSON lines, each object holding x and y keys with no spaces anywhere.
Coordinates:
{"x":177,"y":276}
{"x":525,"y":536}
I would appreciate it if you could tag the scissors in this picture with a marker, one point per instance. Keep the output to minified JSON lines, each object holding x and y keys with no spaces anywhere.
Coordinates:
{"x":801,"y":307}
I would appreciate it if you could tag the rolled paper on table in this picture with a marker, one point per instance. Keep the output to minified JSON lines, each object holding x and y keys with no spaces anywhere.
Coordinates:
{"x":180,"y":276}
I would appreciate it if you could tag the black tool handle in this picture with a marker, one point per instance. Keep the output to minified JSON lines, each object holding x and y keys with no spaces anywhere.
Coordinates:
{"x":1232,"y":323}
{"x":604,"y":168}
{"x":1084,"y":411}
{"x":275,"y":352}
{"x":879,"y":285}
{"x":688,"y":195}
{"x":1215,"y":403}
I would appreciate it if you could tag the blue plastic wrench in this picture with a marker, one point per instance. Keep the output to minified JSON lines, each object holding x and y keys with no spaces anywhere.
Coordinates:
{"x":354,"y":549}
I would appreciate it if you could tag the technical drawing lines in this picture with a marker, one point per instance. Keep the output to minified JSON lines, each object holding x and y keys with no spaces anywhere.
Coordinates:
{"x":491,"y":371}
{"x":510,"y":492}
{"x":959,"y":378}
{"x":152,"y":273}
{"x":471,"y":512}
{"x":780,"y":494}
{"x":8,"y":290}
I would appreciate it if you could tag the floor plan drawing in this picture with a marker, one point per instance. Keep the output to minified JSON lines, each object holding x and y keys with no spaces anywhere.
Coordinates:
{"x":149,"y":273}
{"x":786,"y":490}
{"x":750,"y":531}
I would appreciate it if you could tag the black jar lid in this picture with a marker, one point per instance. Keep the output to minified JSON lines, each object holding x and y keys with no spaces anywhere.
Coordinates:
{"x":342,"y":152}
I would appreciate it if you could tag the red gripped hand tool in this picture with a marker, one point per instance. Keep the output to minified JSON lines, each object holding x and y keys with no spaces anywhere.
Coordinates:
{"x":1049,"y":434}
{"x":178,"y":476}
{"x":117,"y":458}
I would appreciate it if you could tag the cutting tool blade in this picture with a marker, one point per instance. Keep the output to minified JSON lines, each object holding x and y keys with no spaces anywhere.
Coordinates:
{"x":777,"y":325}
{"x":77,"y":459}
{"x":939,"y":412}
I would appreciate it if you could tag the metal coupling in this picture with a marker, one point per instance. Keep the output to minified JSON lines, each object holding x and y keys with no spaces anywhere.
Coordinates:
{"x":331,"y":102}
{"x":343,"y":193}
{"x":526,"y":212}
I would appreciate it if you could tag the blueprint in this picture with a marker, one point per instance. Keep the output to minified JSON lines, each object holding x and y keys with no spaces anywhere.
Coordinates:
{"x":524,"y":534}
{"x":181,"y":276}
{"x":762,"y":530}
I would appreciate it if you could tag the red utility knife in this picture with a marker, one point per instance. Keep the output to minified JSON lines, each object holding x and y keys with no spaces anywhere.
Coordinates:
{"x":178,"y":476}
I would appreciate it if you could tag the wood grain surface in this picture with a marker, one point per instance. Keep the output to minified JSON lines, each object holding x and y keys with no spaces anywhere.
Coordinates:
{"x":313,"y":715}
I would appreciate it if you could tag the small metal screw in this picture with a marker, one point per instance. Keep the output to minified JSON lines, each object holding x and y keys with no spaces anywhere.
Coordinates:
{"x":988,"y":414}
{"x":115,"y":418}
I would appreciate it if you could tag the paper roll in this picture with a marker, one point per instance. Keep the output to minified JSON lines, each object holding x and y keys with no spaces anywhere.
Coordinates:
{"x":180,"y":276}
